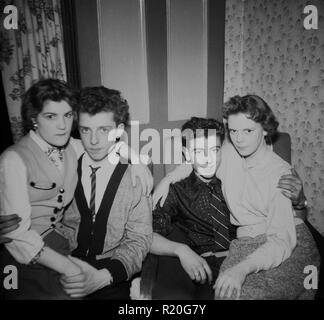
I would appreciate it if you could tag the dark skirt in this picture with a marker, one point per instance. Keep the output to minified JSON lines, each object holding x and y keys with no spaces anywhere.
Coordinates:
{"x":36,"y":282}
{"x":284,"y":282}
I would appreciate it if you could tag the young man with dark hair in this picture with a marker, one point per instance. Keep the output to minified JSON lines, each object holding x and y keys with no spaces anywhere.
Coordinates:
{"x":109,"y":222}
{"x":192,"y":231}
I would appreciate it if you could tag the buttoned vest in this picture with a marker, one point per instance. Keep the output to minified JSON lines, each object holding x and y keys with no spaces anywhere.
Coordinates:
{"x":49,"y":189}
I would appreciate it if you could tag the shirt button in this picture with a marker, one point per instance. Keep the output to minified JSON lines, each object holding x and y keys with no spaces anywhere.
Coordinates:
{"x":61,"y":190}
{"x":56,"y":210}
{"x":52,"y":219}
{"x":53,"y":225}
{"x":60,"y":198}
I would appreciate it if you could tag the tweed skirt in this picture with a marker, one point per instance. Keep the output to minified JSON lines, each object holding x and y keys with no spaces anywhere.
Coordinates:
{"x":285,"y":282}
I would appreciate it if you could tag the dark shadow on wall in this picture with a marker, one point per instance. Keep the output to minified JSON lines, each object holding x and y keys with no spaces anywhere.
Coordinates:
{"x":70,"y":40}
{"x":5,"y":131}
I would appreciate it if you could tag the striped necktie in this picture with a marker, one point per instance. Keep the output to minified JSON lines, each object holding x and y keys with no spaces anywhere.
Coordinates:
{"x":93,"y":192}
{"x":220,"y":220}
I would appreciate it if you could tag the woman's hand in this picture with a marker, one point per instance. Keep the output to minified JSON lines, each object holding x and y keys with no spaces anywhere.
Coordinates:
{"x":229,"y":283}
{"x":161,"y":191}
{"x":292,"y":187}
{"x":144,"y":174}
{"x":138,"y":168}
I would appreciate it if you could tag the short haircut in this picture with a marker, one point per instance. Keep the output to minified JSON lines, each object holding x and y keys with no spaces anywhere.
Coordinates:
{"x":256,"y":109}
{"x":39,"y":93}
{"x":197,"y":127}
{"x":94,"y":100}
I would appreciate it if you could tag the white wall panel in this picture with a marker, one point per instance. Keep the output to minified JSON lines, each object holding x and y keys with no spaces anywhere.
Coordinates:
{"x":122,"y":44}
{"x":187,"y":58}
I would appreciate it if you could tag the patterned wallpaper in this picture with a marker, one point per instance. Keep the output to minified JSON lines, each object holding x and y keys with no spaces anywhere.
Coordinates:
{"x":268,"y":52}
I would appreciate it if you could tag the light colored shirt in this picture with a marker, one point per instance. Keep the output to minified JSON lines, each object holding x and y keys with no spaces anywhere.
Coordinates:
{"x":14,"y":199}
{"x":103,"y":174}
{"x":257,"y":205}
{"x":54,"y":154}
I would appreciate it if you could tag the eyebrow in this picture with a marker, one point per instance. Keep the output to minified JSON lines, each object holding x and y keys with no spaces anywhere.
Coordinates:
{"x":217,"y":146}
{"x":250,"y":128}
{"x":54,"y":113}
{"x":96,"y":127}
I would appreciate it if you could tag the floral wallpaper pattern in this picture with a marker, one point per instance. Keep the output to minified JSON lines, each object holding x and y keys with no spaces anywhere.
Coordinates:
{"x":269,"y":52}
{"x":33,"y":51}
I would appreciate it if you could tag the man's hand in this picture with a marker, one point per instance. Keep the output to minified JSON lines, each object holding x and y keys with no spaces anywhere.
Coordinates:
{"x":88,"y":281}
{"x":196,"y":267}
{"x":8,"y":224}
{"x":144,"y":174}
{"x":292,"y":187}
{"x":161,"y":192}
{"x":229,"y":283}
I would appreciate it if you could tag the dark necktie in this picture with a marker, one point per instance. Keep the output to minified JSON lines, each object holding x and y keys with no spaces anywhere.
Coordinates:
{"x":220,"y":217}
{"x":93,"y":192}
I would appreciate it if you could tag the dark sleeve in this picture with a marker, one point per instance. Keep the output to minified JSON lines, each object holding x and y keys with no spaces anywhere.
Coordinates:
{"x":164,"y":216}
{"x":114,"y":266}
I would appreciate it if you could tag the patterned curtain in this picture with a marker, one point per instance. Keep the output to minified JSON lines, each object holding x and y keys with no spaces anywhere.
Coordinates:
{"x":33,"y":51}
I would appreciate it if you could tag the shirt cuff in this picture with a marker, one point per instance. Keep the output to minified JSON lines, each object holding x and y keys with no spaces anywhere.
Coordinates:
{"x":115,"y":267}
{"x":35,"y":259}
{"x":25,"y":246}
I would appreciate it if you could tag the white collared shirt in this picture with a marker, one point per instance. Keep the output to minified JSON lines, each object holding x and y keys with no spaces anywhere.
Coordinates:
{"x":103,"y":175}
{"x":14,"y":199}
{"x":257,"y":204}
{"x":40,"y":142}
{"x":48,"y":150}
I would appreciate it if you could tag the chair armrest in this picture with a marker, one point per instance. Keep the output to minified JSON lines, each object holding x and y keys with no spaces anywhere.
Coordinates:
{"x":282,"y":146}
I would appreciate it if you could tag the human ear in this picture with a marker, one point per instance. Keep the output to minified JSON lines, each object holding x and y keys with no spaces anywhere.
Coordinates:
{"x":34,"y":122}
{"x":120,"y":130}
{"x":186,"y":154}
{"x":115,"y":134}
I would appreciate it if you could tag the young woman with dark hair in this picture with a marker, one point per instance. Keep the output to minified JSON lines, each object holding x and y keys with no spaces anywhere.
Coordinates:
{"x":38,"y":178}
{"x":273,"y":246}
